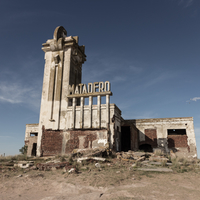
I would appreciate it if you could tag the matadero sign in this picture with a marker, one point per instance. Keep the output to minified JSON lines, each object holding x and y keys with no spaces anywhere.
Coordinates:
{"x":90,"y":89}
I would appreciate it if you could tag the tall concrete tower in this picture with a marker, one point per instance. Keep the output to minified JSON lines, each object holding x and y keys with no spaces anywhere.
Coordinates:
{"x":63,"y":67}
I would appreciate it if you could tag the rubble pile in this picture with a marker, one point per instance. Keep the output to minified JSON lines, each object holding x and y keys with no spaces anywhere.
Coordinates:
{"x":145,"y":161}
{"x":134,"y":156}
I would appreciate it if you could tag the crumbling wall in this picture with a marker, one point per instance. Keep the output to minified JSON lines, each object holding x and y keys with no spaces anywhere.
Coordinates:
{"x":177,"y":141}
{"x":51,"y":142}
{"x":150,"y":137}
{"x":29,"y":138}
{"x":64,"y":142}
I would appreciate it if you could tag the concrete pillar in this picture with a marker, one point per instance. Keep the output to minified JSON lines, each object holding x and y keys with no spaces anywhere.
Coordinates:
{"x":90,"y":111}
{"x":99,"y":111}
{"x":82,"y":112}
{"x":74,"y":113}
{"x":108,"y":109}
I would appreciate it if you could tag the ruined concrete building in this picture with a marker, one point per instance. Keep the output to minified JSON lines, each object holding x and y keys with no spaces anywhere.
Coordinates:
{"x":70,"y":119}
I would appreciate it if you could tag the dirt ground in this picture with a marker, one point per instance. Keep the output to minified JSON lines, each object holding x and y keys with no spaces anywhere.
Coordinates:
{"x":105,"y":183}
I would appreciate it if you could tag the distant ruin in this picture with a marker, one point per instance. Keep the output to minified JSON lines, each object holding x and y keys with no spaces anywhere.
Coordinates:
{"x":67,"y":121}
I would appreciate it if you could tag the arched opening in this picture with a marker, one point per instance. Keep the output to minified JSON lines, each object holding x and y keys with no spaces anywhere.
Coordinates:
{"x":146,"y":148}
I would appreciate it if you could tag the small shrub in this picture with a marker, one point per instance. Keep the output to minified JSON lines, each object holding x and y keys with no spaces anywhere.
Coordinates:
{"x":23,"y":150}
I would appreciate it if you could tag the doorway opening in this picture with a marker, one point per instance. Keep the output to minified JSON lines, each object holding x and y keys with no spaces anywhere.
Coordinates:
{"x":34,"y":149}
{"x":125,"y":138}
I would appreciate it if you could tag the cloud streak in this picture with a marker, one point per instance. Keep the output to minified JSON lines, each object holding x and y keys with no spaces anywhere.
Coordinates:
{"x":16,"y":93}
{"x":186,"y":3}
{"x":195,"y":99}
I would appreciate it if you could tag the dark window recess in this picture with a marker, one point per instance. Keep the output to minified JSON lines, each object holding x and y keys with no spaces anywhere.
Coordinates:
{"x":70,"y":102}
{"x":33,"y":134}
{"x":78,"y":101}
{"x":176,"y":131}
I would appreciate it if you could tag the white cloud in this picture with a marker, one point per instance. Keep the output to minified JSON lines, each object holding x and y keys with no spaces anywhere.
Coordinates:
{"x":195,"y":99}
{"x":16,"y":93}
{"x":118,"y":79}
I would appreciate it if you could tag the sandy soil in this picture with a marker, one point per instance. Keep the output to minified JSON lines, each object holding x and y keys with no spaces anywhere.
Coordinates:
{"x":94,"y":184}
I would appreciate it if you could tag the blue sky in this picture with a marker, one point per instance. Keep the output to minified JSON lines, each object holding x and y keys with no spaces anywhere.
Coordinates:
{"x":147,"y":49}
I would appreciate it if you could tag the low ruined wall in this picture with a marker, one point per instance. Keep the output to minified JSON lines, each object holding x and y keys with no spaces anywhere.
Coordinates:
{"x":51,"y":142}
{"x":63,"y":142}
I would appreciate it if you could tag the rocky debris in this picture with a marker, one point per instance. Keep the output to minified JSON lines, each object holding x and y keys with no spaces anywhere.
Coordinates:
{"x":131,"y":155}
{"x":97,"y":152}
{"x":24,"y":164}
{"x":140,"y":159}
{"x":155,"y":163}
{"x":156,"y":169}
{"x":11,"y":163}
{"x":147,"y":160}
{"x":71,"y":170}
{"x":158,"y":158}
{"x":49,"y":165}
{"x":97,"y":165}
{"x":79,"y":160}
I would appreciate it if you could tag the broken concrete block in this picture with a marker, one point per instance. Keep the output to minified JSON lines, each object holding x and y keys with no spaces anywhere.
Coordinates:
{"x":71,"y":170}
{"x":155,"y":163}
{"x":97,"y":165}
{"x":90,"y":158}
{"x":24,"y":164}
{"x":157,"y":158}
{"x":138,"y":154}
{"x":140,"y":159}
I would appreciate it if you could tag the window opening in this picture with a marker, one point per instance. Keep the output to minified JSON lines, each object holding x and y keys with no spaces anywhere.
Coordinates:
{"x":33,"y":134}
{"x":103,"y":99}
{"x":176,"y":131}
{"x":70,"y":102}
{"x":94,"y":101}
{"x":86,"y":101}
{"x":78,"y":101}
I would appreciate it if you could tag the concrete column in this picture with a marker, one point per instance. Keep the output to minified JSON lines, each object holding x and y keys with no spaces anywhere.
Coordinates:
{"x":99,"y":111}
{"x":90,"y":111}
{"x":73,"y":112}
{"x":67,"y":102}
{"x":82,"y":112}
{"x":108,"y":108}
